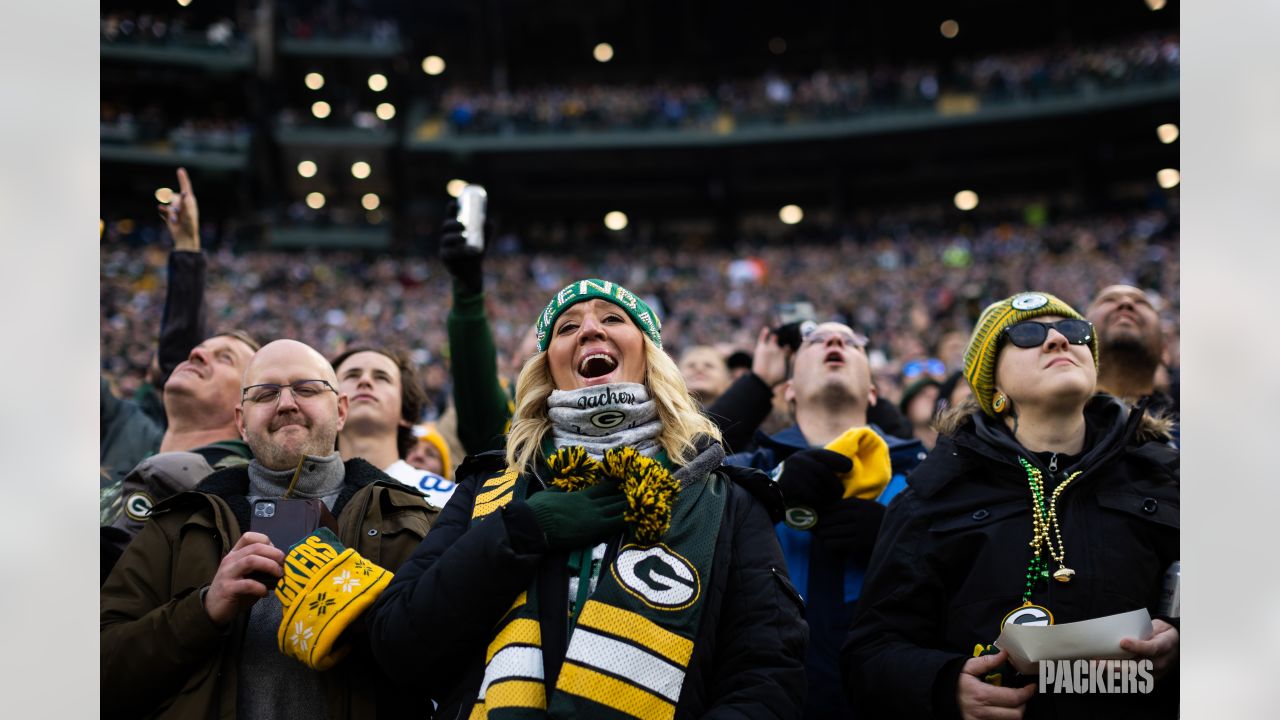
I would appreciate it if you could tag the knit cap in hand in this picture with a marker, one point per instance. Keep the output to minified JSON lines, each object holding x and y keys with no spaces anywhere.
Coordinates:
{"x":870,"y":455}
{"x":324,"y":589}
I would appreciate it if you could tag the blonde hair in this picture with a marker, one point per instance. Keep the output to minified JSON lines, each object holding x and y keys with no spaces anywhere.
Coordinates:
{"x":681,"y":420}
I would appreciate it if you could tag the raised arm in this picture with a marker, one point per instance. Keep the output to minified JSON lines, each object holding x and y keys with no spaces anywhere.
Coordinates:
{"x":747,"y":402}
{"x":182,"y":327}
{"x":484,"y":408}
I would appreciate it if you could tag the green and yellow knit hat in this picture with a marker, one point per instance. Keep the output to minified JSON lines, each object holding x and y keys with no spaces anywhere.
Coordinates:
{"x":594,"y":289}
{"x":984,"y":344}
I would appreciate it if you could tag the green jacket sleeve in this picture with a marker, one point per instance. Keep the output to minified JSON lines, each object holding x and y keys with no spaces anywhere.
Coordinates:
{"x":154,"y":632}
{"x":484,"y":407}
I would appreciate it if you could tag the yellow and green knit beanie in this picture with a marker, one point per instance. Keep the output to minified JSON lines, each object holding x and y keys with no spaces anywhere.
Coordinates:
{"x":594,"y":289}
{"x":984,"y":344}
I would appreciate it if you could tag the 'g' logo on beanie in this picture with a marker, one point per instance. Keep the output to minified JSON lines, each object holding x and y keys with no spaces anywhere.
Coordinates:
{"x":594,"y":289}
{"x":984,"y":344}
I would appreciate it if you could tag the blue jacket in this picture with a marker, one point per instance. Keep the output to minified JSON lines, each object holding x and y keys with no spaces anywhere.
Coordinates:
{"x":829,"y":582}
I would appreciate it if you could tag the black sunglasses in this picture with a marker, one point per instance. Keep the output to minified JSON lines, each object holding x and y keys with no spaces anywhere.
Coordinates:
{"x":1029,"y":333}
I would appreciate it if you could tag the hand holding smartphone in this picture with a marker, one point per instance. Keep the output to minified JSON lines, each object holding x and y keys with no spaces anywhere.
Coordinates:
{"x":286,"y":521}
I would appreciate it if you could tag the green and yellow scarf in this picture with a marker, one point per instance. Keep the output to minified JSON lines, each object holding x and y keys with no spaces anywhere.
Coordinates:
{"x":630,"y":647}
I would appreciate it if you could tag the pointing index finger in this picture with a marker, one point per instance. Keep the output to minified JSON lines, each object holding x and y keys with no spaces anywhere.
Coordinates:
{"x":184,"y":182}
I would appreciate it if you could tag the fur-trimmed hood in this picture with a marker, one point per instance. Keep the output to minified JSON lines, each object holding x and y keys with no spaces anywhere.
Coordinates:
{"x":1153,"y":427}
{"x":1114,"y":429}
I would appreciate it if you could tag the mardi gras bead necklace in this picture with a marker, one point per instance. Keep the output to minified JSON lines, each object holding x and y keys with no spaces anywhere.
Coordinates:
{"x":1045,"y":530}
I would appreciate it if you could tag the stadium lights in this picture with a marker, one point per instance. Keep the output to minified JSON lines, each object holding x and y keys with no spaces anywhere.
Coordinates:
{"x":433,"y":65}
{"x":1156,"y":4}
{"x":777,"y":45}
{"x":616,"y":220}
{"x":1168,"y":178}
{"x":1167,"y":133}
{"x":320,"y":109}
{"x":370,"y":201}
{"x":949,"y":29}
{"x":966,"y":200}
{"x":360,"y":170}
{"x":603,"y":52}
{"x":454,"y":187}
{"x":385,"y":111}
{"x":377,"y":82}
{"x":791,"y":214}
{"x":314,"y":81}
{"x":315,"y":200}
{"x":307,"y":168}
{"x":184,"y":3}
{"x":164,"y":194}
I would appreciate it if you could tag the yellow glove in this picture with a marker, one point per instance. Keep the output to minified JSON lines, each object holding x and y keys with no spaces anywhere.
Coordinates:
{"x":324,"y":589}
{"x":870,"y":455}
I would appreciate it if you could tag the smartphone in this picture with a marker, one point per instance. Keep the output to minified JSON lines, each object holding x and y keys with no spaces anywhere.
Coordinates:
{"x":472,"y":204}
{"x":795,"y":320}
{"x":795,"y":312}
{"x":285,"y":520}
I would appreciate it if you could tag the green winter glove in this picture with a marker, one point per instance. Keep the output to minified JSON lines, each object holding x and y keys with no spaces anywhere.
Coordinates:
{"x":579,"y":519}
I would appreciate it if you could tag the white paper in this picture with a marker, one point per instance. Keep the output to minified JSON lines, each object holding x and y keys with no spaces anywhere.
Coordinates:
{"x":1096,"y":639}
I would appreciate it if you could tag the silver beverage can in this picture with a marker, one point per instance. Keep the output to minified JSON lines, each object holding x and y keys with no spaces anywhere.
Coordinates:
{"x":1171,"y":598}
{"x":471,"y":210}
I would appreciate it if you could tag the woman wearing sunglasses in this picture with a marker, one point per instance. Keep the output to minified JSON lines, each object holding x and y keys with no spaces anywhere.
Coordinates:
{"x":1043,"y":503}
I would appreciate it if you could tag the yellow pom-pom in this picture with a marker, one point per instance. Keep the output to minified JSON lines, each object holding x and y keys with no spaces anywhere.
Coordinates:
{"x":573,"y":469}
{"x":650,"y":491}
{"x":618,"y":462}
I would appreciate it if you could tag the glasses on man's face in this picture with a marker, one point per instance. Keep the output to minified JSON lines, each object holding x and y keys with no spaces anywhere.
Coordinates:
{"x":933,"y":366}
{"x":1029,"y":333}
{"x":267,"y":393}
{"x":820,"y":337}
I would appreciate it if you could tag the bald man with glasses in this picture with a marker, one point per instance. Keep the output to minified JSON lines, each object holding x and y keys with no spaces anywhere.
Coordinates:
{"x":190,"y":625}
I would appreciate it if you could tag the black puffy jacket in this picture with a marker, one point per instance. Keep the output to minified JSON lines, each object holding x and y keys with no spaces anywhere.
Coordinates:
{"x":434,"y":622}
{"x":950,"y":560}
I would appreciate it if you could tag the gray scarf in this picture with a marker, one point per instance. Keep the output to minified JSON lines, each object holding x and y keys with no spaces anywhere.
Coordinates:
{"x":605,"y":416}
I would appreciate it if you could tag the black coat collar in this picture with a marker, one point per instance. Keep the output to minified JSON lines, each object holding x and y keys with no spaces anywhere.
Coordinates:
{"x":980,"y":442}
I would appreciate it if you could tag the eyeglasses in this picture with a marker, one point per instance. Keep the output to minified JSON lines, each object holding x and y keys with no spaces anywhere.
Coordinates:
{"x":932,"y":366}
{"x":270,"y":392}
{"x":820,"y":337}
{"x":1029,"y":333}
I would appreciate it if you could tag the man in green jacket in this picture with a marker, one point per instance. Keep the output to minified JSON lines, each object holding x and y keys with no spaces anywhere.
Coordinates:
{"x":190,"y":626}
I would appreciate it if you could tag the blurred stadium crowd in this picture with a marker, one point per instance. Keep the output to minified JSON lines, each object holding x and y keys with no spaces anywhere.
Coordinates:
{"x":824,"y":95}
{"x":904,"y":282}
